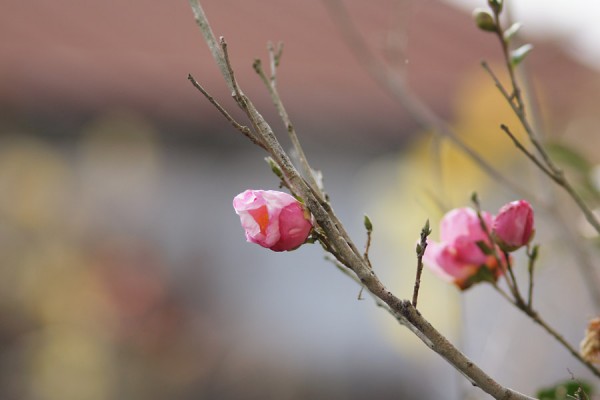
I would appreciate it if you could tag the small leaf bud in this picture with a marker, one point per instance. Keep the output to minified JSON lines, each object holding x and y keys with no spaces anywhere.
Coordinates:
{"x":484,"y":20}
{"x":274,"y":167}
{"x":511,"y":31}
{"x":496,"y":5}
{"x":368,"y":224}
{"x":518,"y":55}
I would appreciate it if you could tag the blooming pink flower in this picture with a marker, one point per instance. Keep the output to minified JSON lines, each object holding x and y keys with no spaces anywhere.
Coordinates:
{"x":457,"y":258}
{"x":513,"y":226}
{"x":272,"y":219}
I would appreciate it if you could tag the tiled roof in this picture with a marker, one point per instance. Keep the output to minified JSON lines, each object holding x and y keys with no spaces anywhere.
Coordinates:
{"x":81,"y":57}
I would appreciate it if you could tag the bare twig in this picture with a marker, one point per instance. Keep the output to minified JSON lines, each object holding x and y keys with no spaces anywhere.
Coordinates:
{"x":211,"y":40}
{"x":515,"y":100}
{"x":421,"y":247}
{"x":518,"y":104}
{"x":367,"y":247}
{"x":555,"y":174}
{"x":532,"y":253}
{"x":526,"y":308}
{"x":518,"y":298}
{"x":237,"y":93}
{"x":524,"y":150}
{"x":244,"y":129}
{"x":369,"y":227}
{"x":562,"y":340}
{"x":271,"y":84}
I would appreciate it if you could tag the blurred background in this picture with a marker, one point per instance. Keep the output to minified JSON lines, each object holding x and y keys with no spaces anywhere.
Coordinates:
{"x":125,"y":273}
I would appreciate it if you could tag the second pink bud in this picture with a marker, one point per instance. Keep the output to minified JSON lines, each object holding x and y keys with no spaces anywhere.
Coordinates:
{"x":513,"y":226}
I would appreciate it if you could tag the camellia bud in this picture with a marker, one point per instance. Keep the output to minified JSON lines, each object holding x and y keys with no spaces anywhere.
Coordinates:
{"x":484,"y":20}
{"x":513,"y":226}
{"x":273,"y":219}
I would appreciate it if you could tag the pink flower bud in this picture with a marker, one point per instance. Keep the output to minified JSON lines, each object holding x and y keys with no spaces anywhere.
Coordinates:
{"x":513,"y":226}
{"x":458,"y":258}
{"x":272,"y":219}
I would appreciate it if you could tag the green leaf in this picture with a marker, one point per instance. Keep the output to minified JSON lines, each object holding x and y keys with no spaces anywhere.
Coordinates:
{"x":511,"y":31}
{"x":518,"y":55}
{"x":567,"y":390}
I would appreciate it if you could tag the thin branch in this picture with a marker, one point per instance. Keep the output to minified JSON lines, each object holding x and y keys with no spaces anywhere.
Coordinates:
{"x":271,"y":84}
{"x":518,"y":107}
{"x":526,"y":308}
{"x":237,"y":93}
{"x":275,"y":57}
{"x":421,"y":247}
{"x":367,"y":247}
{"x":443,"y":347}
{"x":527,"y":153}
{"x":211,"y":40}
{"x":518,"y":298}
{"x":518,"y":302}
{"x":589,"y":276}
{"x":517,"y":94}
{"x":554,"y":173}
{"x":328,"y":248}
{"x":562,"y":340}
{"x":243,"y":129}
{"x":558,"y":177}
{"x":532,"y":255}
